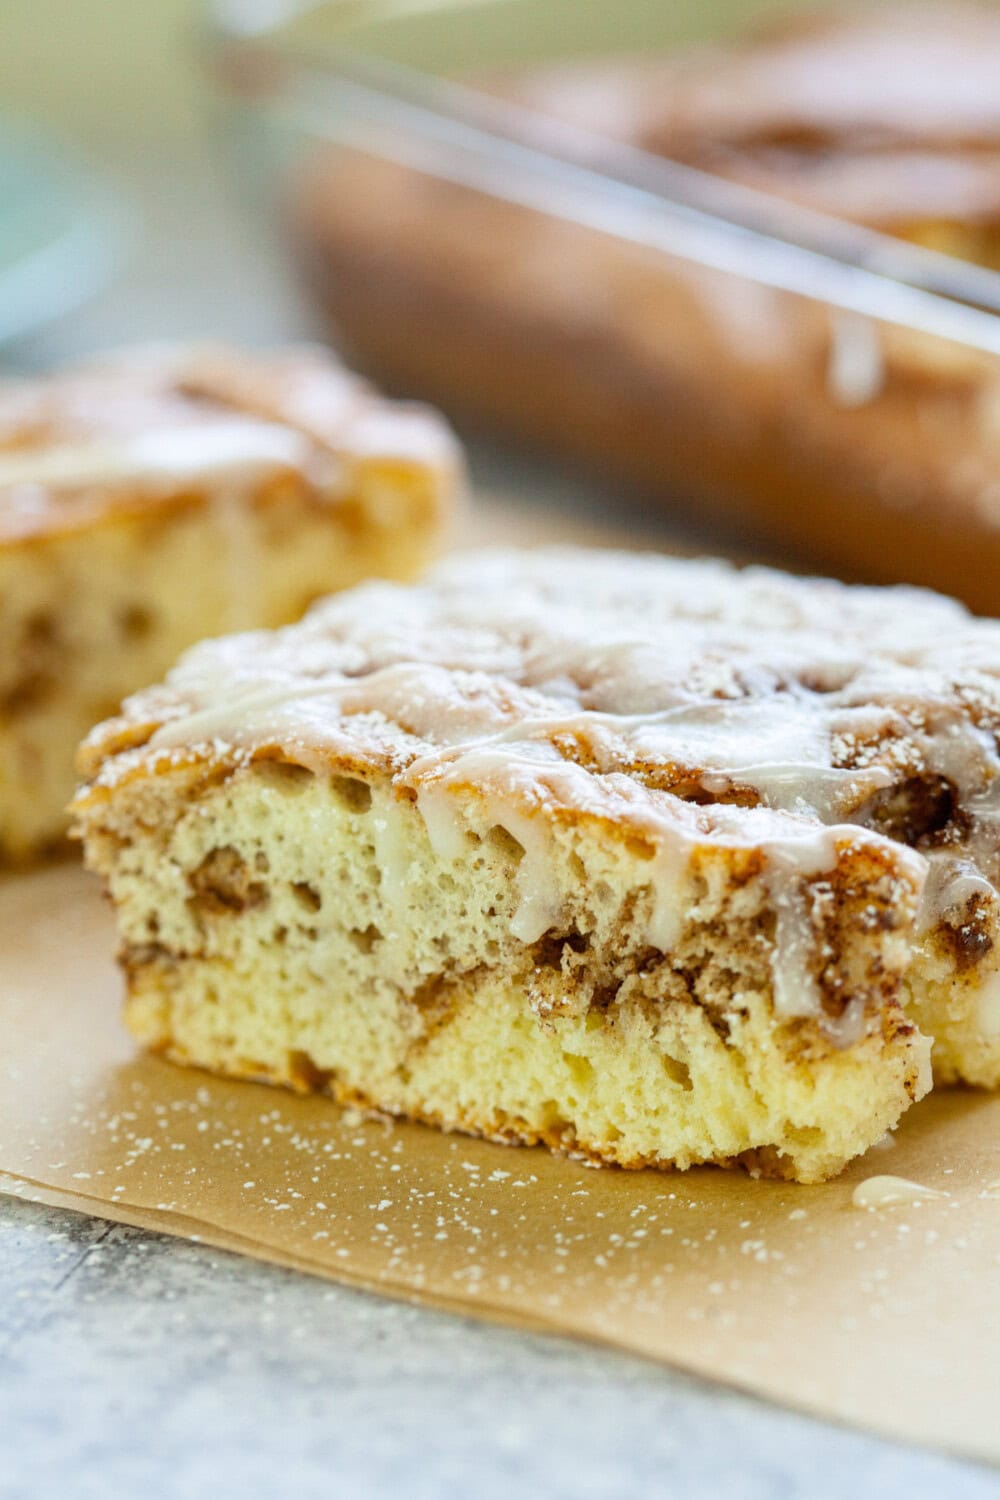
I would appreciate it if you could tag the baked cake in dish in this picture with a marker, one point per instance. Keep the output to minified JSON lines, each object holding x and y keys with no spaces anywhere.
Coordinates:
{"x":815,"y":429}
{"x":885,"y":114}
{"x":168,"y":494}
{"x":654,"y":861}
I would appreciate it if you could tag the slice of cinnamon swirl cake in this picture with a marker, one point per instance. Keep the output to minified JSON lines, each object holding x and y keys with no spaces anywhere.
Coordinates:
{"x":164,"y":494}
{"x":657,"y":862}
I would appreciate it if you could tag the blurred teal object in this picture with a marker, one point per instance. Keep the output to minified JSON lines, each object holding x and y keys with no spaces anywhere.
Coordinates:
{"x":63,"y":230}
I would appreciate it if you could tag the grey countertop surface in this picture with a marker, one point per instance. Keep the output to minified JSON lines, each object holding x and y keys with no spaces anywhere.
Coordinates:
{"x":132,"y":1364}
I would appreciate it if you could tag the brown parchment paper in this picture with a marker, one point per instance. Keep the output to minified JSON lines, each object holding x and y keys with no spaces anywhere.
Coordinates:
{"x":888,"y":1319}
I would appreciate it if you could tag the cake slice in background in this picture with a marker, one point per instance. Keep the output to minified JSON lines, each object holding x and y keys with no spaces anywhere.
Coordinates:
{"x":168,"y":494}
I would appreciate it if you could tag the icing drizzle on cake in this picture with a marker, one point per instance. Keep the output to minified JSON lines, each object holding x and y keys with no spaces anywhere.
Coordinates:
{"x":148,"y":419}
{"x":693,"y":703}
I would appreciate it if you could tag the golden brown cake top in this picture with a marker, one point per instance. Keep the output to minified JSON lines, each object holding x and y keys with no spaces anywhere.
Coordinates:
{"x":887,"y":113}
{"x":145,"y":422}
{"x":688,"y":703}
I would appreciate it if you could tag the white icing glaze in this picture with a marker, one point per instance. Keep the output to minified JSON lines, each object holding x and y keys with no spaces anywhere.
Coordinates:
{"x":305,"y":389}
{"x":405,"y":432}
{"x":495,"y":770}
{"x":892,"y":1192}
{"x":538,"y":907}
{"x":988,"y":1008}
{"x":445,"y":827}
{"x":154,"y":417}
{"x":669,"y":878}
{"x":228,"y":449}
{"x":795,"y":989}
{"x":951,"y":884}
{"x":393,"y":863}
{"x":519,"y":685}
{"x":856,"y":369}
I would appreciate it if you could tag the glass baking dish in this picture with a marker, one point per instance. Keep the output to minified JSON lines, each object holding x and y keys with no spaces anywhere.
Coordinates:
{"x":812,"y":383}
